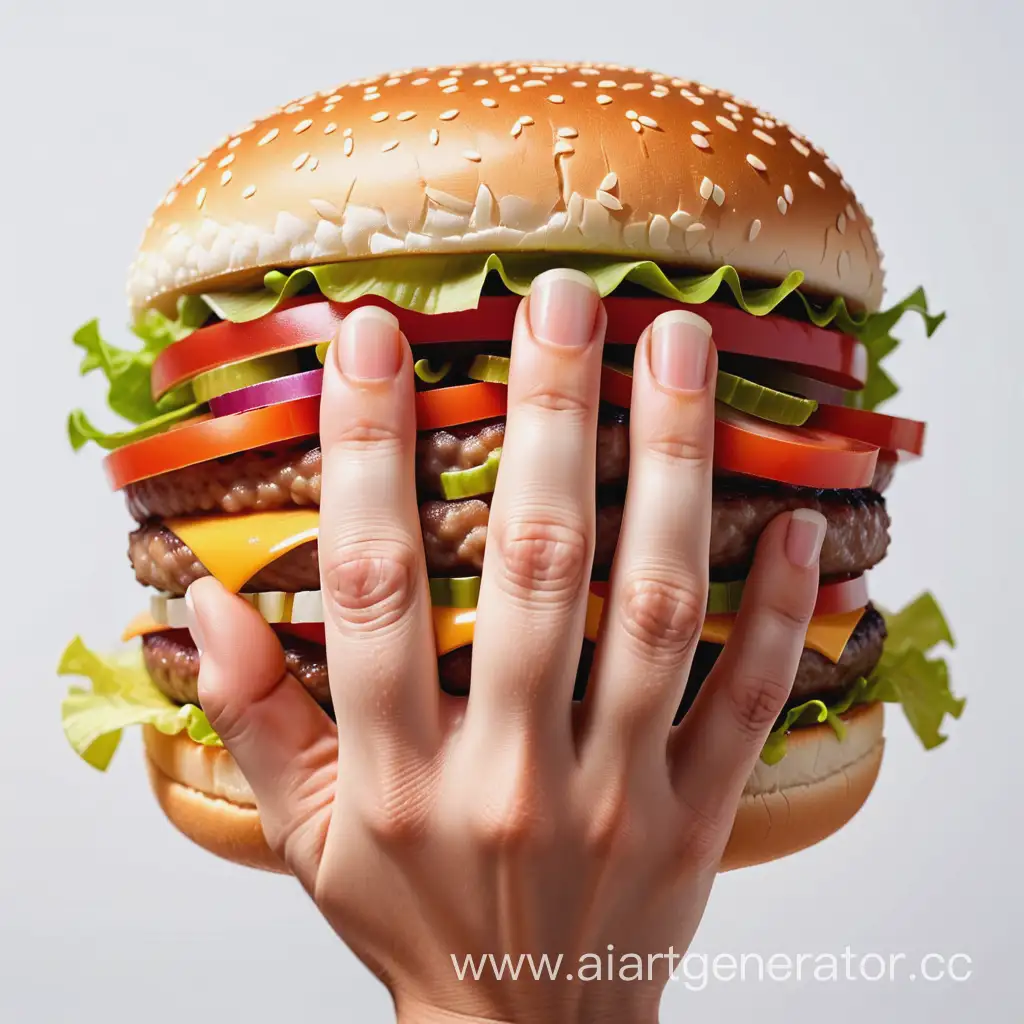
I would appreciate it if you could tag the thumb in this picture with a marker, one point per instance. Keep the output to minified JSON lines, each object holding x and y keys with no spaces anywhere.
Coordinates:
{"x":284,"y":742}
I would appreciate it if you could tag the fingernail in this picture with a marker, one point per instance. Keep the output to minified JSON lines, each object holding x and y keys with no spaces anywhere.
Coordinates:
{"x":369,"y":345}
{"x":679,"y":350}
{"x":563,"y":308}
{"x":804,"y":536}
{"x":192,"y":621}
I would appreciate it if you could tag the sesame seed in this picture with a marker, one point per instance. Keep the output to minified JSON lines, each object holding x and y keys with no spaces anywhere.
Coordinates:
{"x":556,"y":98}
{"x":451,"y":89}
{"x":759,"y":121}
{"x":328,"y":107}
{"x":406,"y":115}
{"x":607,"y":83}
{"x":480,"y":81}
{"x":841,"y":224}
{"x":472,"y":155}
{"x":381,"y":115}
{"x":334,"y":98}
{"x":736,"y":117}
{"x":816,"y":178}
{"x":755,"y":230}
{"x":579,"y":85}
{"x":692,"y":229}
{"x":200,"y":198}
{"x":831,"y":165}
{"x":388,"y":146}
{"x":707,"y":186}
{"x":763,"y":136}
{"x":236,"y":142}
{"x":293,"y":108}
{"x":631,"y":86}
{"x":448,"y":81}
{"x":488,"y":102}
{"x":392,"y":81}
{"x":534,"y":83}
{"x":314,"y":163}
{"x":729,"y":105}
{"x":632,"y":115}
{"x":302,"y":126}
{"x":331,"y":127}
{"x":435,"y":136}
{"x":225,"y":177}
{"x":249,"y":191}
{"x":299,"y":161}
{"x":788,"y":193}
{"x":782,"y":205}
{"x":799,"y":147}
{"x":420,"y":81}
{"x":567,"y":133}
{"x":370,"y":88}
{"x":603,"y":99}
{"x":718,"y":195}
{"x":347,"y":132}
{"x":517,"y":130}
{"x":851,"y":212}
{"x":700,"y":142}
{"x":726,"y":123}
{"x":505,"y":79}
{"x":845,"y":184}
{"x":563,"y":147}
{"x":608,"y":201}
{"x":700,"y":126}
{"x":706,"y":90}
{"x":448,"y":115}
{"x":647,"y":122}
{"x":756,"y":162}
{"x":697,"y":101}
{"x":636,"y":126}
{"x":526,"y":119}
{"x":348,"y":147}
{"x":225,"y":161}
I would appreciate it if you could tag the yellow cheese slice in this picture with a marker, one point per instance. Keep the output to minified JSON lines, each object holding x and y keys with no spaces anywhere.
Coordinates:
{"x":235,"y":548}
{"x":142,"y":624}
{"x":827,"y":634}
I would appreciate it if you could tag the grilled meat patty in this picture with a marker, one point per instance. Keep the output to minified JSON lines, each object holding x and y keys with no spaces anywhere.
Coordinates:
{"x":173,"y":663}
{"x":454,"y":533}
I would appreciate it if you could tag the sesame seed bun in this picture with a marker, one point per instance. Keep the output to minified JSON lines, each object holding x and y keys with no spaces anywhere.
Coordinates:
{"x":812,"y":792}
{"x":491,"y":158}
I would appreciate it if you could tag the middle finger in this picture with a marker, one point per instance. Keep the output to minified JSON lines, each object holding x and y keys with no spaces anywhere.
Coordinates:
{"x":530,"y":615}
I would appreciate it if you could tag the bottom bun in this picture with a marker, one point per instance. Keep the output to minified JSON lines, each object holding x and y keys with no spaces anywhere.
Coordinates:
{"x":812,"y":792}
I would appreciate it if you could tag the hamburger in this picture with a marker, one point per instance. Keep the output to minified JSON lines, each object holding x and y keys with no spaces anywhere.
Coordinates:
{"x":440,"y":193}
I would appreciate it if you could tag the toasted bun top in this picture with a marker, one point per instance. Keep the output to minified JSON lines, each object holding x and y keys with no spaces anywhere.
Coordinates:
{"x":526,"y":157}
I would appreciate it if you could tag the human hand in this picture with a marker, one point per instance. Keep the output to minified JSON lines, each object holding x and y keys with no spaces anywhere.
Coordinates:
{"x":425,"y":825}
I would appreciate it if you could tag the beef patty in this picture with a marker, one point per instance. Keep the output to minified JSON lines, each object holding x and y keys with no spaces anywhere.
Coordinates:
{"x":454,"y":533}
{"x":173,"y":663}
{"x":286,"y":476}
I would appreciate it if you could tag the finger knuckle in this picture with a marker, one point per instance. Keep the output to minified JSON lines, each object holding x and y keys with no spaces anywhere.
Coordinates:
{"x":757,"y":700}
{"x":362,"y":436}
{"x":613,"y":827}
{"x":511,"y":817}
{"x":551,"y":398}
{"x":397,"y":816}
{"x":703,"y":837}
{"x":369,"y":586}
{"x":675,"y":448}
{"x":661,"y":616}
{"x":544,"y":556}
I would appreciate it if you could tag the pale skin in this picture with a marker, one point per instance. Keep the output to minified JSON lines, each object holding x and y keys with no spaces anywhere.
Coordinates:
{"x":514,"y":821}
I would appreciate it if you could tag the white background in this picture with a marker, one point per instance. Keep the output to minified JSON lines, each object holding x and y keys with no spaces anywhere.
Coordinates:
{"x":105,"y":913}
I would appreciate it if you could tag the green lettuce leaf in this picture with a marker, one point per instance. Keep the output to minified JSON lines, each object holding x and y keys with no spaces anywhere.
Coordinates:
{"x":122,"y":694}
{"x":905,"y":675}
{"x":128,"y":374}
{"x":447,"y":284}
{"x":81,"y":429}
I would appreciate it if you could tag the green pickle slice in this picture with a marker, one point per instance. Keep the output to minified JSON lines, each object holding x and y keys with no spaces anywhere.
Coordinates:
{"x":763,"y":402}
{"x":466,"y":483}
{"x":223,"y":379}
{"x":455,"y":591}
{"x":724,"y":598}
{"x":491,"y":369}
{"x":427,"y":373}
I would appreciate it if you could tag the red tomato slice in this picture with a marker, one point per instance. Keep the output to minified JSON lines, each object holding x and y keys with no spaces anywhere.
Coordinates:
{"x":841,"y":596}
{"x":213,"y":438}
{"x":464,"y":403}
{"x":892,"y":433}
{"x":801,"y":456}
{"x":311,"y":631}
{"x":823,"y":354}
{"x":616,"y":385}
